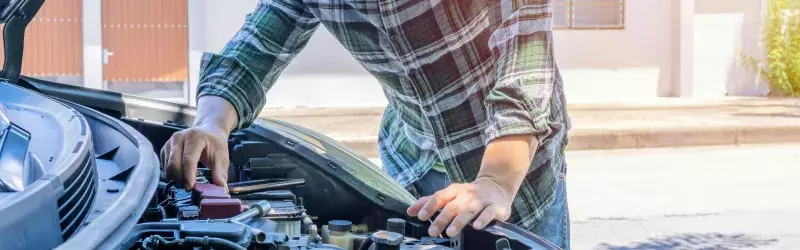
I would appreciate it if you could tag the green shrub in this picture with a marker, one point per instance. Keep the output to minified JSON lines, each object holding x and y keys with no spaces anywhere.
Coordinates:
{"x":781,"y":41}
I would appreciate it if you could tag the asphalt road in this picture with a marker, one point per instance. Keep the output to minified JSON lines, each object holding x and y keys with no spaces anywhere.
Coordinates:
{"x":745,"y":197}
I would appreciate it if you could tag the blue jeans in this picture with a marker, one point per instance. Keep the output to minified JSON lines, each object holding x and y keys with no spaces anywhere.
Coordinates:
{"x":554,"y":225}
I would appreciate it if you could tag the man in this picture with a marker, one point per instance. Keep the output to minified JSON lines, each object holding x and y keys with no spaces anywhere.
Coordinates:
{"x":474,"y":98}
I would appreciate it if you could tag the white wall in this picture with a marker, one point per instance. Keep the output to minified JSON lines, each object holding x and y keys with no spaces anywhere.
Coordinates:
{"x":631,"y":63}
{"x":211,"y":24}
{"x":598,"y":65}
{"x":724,"y":29}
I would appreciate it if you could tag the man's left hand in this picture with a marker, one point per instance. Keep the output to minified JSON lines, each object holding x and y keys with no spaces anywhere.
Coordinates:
{"x":486,"y":199}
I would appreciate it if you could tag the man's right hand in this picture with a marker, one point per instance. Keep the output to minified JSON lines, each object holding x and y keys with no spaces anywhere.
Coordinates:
{"x":184,"y":149}
{"x":205,"y":142}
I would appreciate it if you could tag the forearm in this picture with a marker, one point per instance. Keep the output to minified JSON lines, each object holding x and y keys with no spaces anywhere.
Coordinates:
{"x":216,"y":112}
{"x":250,"y":63}
{"x":507,"y":159}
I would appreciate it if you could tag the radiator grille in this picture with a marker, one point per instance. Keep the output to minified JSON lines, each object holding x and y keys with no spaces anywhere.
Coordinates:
{"x":76,"y":203}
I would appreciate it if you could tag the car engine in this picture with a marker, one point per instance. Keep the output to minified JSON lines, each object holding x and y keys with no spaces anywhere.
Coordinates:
{"x":257,"y":215}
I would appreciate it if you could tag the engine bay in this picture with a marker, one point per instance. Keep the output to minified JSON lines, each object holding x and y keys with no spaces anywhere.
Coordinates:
{"x":276,"y":200}
{"x":293,"y":188}
{"x":289,"y":188}
{"x":265,"y":218}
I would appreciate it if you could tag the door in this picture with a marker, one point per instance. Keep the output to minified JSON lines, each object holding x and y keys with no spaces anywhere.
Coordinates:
{"x":54,"y":43}
{"x":145,"y":48}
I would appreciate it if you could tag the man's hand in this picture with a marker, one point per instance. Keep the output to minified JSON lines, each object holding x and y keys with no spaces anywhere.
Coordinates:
{"x":489,"y":197}
{"x":206,"y":142}
{"x":184,"y":149}
{"x":483,"y":199}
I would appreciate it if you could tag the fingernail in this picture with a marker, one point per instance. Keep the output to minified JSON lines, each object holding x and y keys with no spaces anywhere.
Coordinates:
{"x":423,"y":215}
{"x":432,"y":231}
{"x":477,"y":224}
{"x":451,"y":231}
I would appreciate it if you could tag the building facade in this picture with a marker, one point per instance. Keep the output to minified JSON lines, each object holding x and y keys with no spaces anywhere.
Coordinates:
{"x":606,"y":49}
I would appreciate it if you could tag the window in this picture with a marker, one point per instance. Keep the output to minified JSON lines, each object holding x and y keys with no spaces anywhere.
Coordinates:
{"x":588,"y":14}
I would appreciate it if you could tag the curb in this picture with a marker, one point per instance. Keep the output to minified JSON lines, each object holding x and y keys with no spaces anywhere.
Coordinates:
{"x":640,"y":139}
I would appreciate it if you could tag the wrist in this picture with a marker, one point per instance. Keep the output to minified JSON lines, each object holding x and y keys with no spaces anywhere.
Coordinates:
{"x":216,"y":113}
{"x":505,"y":184}
{"x":212,"y":128}
{"x":506,"y":161}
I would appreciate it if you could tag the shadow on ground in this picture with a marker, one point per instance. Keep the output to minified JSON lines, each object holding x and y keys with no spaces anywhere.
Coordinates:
{"x":695,"y":241}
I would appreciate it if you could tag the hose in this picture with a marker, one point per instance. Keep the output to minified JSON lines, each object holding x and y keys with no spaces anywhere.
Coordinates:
{"x":366,"y":243}
{"x":212,"y":242}
{"x":156,"y":241}
{"x":167,"y":188}
{"x":163,"y":212}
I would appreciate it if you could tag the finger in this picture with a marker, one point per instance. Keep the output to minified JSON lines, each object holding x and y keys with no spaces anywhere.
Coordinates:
{"x":491,"y":213}
{"x":219,"y":170}
{"x":437,"y":201}
{"x":162,"y":156}
{"x":174,"y":169}
{"x":463,"y":218}
{"x":192,"y":149}
{"x":164,"y":159}
{"x":414,"y":209}
{"x":444,"y":218}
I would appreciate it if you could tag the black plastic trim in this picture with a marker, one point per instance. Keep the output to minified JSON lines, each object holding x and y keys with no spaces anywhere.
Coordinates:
{"x":115,"y":104}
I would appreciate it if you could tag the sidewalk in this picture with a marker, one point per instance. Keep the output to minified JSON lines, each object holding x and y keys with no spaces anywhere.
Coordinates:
{"x":666,"y":122}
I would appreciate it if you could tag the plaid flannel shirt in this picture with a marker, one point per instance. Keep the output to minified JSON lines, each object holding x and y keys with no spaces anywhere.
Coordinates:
{"x":457,"y":74}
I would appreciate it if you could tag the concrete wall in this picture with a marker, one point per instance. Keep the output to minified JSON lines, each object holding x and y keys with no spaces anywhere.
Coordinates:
{"x":619,"y":64}
{"x":211,"y":24}
{"x":724,"y":29}
{"x":598,"y":65}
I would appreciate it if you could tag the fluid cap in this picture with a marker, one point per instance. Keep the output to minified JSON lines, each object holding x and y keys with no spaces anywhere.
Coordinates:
{"x":387,"y":238}
{"x":340,"y":225}
{"x":396,"y":225}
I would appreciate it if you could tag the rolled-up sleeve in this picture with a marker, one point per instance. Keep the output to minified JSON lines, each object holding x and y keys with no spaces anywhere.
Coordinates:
{"x":249,"y":64}
{"x":523,"y":52}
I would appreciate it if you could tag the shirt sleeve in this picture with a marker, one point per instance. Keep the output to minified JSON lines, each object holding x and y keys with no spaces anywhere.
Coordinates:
{"x":526,"y":74}
{"x":249,"y":64}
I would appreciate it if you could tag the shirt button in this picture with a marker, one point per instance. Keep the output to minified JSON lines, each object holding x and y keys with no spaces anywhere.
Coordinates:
{"x":440,"y":141}
{"x":413,"y":71}
{"x":427,"y":108}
